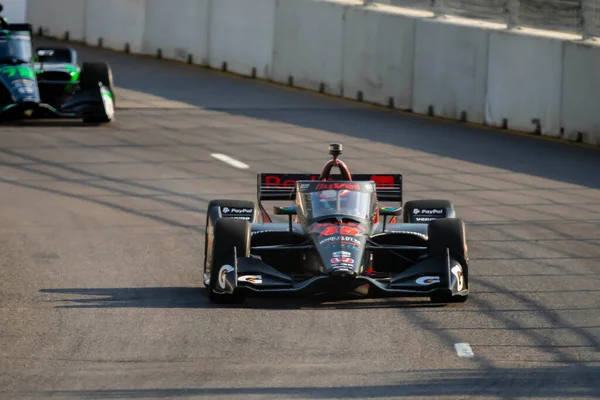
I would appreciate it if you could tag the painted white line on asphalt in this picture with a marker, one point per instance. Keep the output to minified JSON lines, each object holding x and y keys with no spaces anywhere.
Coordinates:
{"x":464,"y":350}
{"x":231,"y":161}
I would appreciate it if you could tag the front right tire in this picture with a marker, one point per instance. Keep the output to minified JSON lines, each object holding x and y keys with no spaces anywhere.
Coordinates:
{"x":92,"y":74}
{"x":449,"y":234}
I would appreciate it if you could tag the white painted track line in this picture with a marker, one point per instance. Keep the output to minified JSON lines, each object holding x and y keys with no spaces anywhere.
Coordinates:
{"x":231,"y":161}
{"x":464,"y":350}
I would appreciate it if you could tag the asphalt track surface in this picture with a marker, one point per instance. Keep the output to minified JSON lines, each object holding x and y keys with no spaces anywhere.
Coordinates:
{"x":101,"y":244}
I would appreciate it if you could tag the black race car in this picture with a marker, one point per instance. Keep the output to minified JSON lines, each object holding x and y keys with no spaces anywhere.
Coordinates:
{"x":50,"y":84}
{"x":337,"y":239}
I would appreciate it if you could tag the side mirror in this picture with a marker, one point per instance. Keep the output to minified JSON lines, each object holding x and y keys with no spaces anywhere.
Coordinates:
{"x":390,"y":211}
{"x":291,"y":210}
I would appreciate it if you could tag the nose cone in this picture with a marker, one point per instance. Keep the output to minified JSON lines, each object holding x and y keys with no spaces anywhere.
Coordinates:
{"x":21,"y":83}
{"x":341,"y":253}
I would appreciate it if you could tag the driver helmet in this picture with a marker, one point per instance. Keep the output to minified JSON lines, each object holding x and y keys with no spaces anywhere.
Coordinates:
{"x":328,"y":200}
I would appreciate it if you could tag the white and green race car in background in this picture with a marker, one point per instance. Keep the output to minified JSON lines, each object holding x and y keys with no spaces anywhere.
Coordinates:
{"x":50,"y":83}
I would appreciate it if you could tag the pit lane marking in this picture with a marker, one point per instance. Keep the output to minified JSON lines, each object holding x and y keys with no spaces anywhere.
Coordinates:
{"x":464,"y":350}
{"x":231,"y":161}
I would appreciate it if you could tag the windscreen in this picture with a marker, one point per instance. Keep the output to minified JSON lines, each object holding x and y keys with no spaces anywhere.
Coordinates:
{"x":15,"y":47}
{"x":325,"y":203}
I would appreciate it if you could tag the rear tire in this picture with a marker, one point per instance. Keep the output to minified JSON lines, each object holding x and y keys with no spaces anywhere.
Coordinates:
{"x":229,"y":234}
{"x":449,"y":234}
{"x":408,"y":215}
{"x":213,"y":214}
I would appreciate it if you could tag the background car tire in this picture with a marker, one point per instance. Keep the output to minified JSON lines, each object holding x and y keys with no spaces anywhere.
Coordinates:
{"x":229,"y":233}
{"x":91,"y":74}
{"x":410,"y":206}
{"x":450,"y":234}
{"x":94,"y":72}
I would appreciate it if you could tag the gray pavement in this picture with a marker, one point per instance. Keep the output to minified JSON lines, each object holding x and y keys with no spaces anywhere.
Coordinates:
{"x":101,"y":244}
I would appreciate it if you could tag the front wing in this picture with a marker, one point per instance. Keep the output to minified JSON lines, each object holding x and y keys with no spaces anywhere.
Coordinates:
{"x":90,"y":104}
{"x":253,"y":277}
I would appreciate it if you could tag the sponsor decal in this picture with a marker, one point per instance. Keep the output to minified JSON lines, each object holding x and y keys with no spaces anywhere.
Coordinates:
{"x":350,"y":239}
{"x":22,"y":82}
{"x":329,"y":240}
{"x":276,"y":181}
{"x":383,"y":180}
{"x":255,"y":279}
{"x":342,"y":260}
{"x":424,"y":219}
{"x":227,"y":210}
{"x":337,"y":186}
{"x":345,"y":229}
{"x":457,"y":272}
{"x":347,"y":241}
{"x":265,"y":231}
{"x":433,"y":211}
{"x":304,"y":186}
{"x":22,"y":70}
{"x":341,"y":254}
{"x":225,"y":269}
{"x":25,"y":90}
{"x":332,"y":230}
{"x":428,"y":280}
{"x":344,"y":267}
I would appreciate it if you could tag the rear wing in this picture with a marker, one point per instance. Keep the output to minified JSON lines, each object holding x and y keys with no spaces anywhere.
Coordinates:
{"x":282,"y":186}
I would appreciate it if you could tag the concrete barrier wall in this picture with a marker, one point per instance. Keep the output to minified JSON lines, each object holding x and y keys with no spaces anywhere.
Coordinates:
{"x":58,"y":17}
{"x":242,"y":36}
{"x":524,"y":82}
{"x":581,"y":92}
{"x":117,"y":23}
{"x":309,"y":43}
{"x":188,"y":36}
{"x":451,"y":64}
{"x":455,"y":68}
{"x":379,"y":70}
{"x":15,"y":10}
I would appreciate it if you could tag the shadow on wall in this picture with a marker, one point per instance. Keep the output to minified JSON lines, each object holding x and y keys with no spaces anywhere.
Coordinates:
{"x":576,"y":382}
{"x":245,"y":97}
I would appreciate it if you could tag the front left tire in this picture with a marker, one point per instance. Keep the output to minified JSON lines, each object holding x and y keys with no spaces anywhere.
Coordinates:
{"x":231,"y":240}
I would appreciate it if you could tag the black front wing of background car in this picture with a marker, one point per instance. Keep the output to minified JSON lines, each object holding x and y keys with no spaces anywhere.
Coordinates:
{"x":81,"y":105}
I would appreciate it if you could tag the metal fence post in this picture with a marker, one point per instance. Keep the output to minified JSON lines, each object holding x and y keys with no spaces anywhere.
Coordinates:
{"x":512,"y":16}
